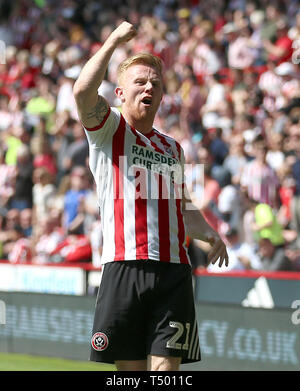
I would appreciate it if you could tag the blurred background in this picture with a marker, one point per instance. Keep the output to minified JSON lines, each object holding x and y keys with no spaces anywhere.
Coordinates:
{"x":232,"y":100}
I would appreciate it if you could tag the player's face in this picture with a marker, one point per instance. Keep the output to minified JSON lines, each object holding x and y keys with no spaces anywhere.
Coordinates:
{"x":141,"y":91}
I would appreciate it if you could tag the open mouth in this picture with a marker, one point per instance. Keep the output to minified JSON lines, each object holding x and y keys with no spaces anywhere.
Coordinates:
{"x":147,"y":101}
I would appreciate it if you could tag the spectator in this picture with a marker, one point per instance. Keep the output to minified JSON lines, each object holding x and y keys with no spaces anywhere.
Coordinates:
{"x":218,"y":147}
{"x":266,"y":225}
{"x":172,"y":102}
{"x":50,"y":62}
{"x":22,"y":197}
{"x":20,"y":251}
{"x":275,"y":156}
{"x":256,"y":20}
{"x":269,"y":26}
{"x":281,"y":50}
{"x":65,"y":100}
{"x":273,"y":258}
{"x":12,"y":231}
{"x":248,"y":219}
{"x":42,"y":150}
{"x":289,"y":84}
{"x":44,"y":191}
{"x":78,"y":150}
{"x":258,"y":178}
{"x":48,"y":236}
{"x":240,"y":52}
{"x":241,"y":255}
{"x":26,"y":222}
{"x":11,"y":114}
{"x":270,"y":84}
{"x":225,"y":121}
{"x":237,"y":158}
{"x":192,"y":99}
{"x":294,"y":256}
{"x":239,"y":93}
{"x":21,"y":74}
{"x":206,"y":188}
{"x":185,"y":46}
{"x":205,"y":59}
{"x":42,"y":103}
{"x":63,"y":137}
{"x":215,"y":97}
{"x":74,"y":200}
{"x":12,"y":142}
{"x":228,"y":208}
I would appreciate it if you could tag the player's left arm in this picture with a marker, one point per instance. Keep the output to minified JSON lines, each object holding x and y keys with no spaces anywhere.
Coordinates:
{"x":198,"y":228}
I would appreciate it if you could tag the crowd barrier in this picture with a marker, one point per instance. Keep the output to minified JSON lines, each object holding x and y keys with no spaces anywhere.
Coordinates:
{"x":56,"y":278}
{"x":238,"y":328}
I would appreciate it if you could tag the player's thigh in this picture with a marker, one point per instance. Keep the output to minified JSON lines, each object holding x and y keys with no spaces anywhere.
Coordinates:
{"x":172,"y":328}
{"x":163,"y":363}
{"x":131,"y":365}
{"x":119,"y":326}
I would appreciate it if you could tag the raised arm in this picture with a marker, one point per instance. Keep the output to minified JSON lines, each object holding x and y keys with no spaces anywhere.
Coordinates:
{"x":91,"y":107}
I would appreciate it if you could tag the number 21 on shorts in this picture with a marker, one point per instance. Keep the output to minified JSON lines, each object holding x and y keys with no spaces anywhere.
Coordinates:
{"x":172,"y":342}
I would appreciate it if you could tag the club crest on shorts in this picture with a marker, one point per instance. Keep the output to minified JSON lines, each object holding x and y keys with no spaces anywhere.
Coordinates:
{"x":99,"y":341}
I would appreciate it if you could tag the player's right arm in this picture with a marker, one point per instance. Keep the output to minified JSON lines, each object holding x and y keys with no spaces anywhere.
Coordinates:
{"x":91,"y":107}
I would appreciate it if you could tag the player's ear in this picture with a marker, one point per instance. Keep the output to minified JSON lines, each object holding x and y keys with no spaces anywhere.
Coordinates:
{"x":120,"y":94}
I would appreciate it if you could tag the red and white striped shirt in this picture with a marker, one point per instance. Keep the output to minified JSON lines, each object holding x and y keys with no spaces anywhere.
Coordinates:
{"x":261,"y":181}
{"x":141,"y":210}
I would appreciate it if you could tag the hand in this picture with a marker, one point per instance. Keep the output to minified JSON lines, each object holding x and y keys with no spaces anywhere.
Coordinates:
{"x":124,"y":33}
{"x":218,"y":251}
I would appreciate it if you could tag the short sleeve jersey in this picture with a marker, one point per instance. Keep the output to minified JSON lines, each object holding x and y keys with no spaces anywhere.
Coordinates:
{"x":139,"y":181}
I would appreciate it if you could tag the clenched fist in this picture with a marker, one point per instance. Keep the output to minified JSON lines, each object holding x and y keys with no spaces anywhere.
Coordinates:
{"x":123,"y":33}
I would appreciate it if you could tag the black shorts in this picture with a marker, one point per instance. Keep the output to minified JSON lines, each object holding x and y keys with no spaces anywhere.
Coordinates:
{"x":145,"y":308}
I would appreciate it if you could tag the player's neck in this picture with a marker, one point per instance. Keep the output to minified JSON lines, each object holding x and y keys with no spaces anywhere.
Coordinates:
{"x":143,"y":125}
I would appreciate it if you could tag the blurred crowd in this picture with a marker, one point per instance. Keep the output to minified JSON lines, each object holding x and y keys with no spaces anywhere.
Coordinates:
{"x":232,"y":100}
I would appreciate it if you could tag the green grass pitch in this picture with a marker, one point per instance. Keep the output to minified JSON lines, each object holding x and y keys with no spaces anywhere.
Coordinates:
{"x":23,"y":362}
